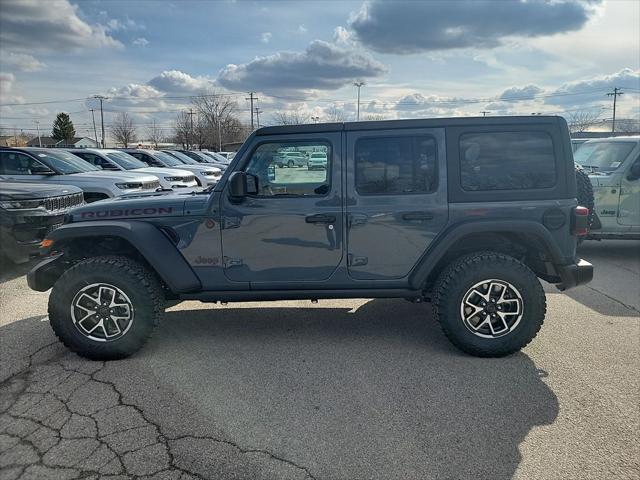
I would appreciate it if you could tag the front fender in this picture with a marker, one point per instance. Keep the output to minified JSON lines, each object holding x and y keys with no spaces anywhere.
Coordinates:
{"x":154,"y":246}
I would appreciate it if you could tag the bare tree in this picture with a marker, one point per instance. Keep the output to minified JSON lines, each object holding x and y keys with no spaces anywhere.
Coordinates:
{"x":628,"y":125}
{"x":374,"y":116}
{"x":122,"y":129}
{"x":294,"y":117}
{"x":154,"y":133}
{"x":334,"y":114}
{"x":216,"y":119}
{"x":582,"y":120}
{"x":182,"y":130}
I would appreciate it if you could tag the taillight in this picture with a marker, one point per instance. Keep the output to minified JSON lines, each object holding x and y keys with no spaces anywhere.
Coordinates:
{"x":580,"y":221}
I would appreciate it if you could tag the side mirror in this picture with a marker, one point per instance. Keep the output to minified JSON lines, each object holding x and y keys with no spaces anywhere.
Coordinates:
{"x":39,"y":169}
{"x":242,"y":184}
{"x":634,"y":171}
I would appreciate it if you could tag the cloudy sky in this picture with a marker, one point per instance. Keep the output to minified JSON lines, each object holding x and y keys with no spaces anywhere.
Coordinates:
{"x":418,"y":59}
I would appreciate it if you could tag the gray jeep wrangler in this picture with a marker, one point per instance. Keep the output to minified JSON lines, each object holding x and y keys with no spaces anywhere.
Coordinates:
{"x":465,"y":213}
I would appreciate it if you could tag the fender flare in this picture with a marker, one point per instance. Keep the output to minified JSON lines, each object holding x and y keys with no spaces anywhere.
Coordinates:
{"x":440,"y":246}
{"x":146,"y":238}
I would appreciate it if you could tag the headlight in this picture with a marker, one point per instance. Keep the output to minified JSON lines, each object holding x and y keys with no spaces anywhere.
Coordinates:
{"x":128,"y":186}
{"x":210,"y":173}
{"x":21,"y":204}
{"x":173,"y":179}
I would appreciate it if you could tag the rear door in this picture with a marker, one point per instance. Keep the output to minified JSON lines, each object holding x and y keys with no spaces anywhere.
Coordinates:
{"x":397,"y":199}
{"x":290,"y":232}
{"x":629,"y":208}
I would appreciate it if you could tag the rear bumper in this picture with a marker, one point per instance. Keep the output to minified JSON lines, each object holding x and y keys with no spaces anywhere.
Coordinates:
{"x":574,"y":274}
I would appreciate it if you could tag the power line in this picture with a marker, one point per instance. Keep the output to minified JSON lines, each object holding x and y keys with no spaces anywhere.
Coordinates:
{"x":252,"y":98}
{"x":615,"y":94}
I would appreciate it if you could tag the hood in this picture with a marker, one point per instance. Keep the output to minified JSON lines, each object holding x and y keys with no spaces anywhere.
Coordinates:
{"x":172,"y":172}
{"x":27,"y":191}
{"x":110,"y":176}
{"x":203,"y":167}
{"x":137,"y":206}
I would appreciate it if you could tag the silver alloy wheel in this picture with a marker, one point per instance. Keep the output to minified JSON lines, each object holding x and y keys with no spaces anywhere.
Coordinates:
{"x":491,"y":308}
{"x":102,"y":312}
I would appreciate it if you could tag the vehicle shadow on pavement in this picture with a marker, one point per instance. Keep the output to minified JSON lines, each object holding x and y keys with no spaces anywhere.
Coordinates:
{"x":273,"y":392}
{"x":10,"y":271}
{"x":376,"y":392}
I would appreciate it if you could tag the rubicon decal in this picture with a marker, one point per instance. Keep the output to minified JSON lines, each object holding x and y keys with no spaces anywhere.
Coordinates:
{"x":133,"y":212}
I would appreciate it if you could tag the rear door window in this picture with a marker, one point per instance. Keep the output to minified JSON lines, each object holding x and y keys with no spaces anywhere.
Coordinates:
{"x":506,"y":161}
{"x":396,"y":165}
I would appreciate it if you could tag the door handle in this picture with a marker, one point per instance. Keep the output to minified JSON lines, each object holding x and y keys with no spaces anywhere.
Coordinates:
{"x":417,"y":216}
{"x":320,"y":218}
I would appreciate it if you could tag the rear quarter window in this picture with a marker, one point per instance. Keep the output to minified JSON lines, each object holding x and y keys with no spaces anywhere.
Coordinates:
{"x":506,"y":161}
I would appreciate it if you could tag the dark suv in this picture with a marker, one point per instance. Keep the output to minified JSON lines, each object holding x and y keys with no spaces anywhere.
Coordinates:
{"x":28,"y":211}
{"x":466,"y":213}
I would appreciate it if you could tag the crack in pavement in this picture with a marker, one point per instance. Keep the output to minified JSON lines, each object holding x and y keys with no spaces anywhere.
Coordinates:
{"x":58,"y":420}
{"x":630,"y":307}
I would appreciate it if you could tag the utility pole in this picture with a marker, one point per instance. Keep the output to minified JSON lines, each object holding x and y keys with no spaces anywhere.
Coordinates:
{"x":358,"y":85}
{"x":258,"y":116}
{"x":615,"y":94}
{"x":191,"y":129}
{"x":101,"y":98}
{"x":37,"y":122}
{"x":252,"y":98}
{"x":484,"y":112}
{"x":93,"y":117}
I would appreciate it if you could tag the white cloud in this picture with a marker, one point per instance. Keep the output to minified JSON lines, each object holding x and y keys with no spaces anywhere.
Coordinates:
{"x":412,"y":27}
{"x":521,"y":93}
{"x":31,"y":25}
{"x":265,"y":37}
{"x":593,"y":89}
{"x":7,"y":81}
{"x":301,"y":29}
{"x":323,"y":66}
{"x":21,"y":61}
{"x":140,"y":42}
{"x":177,"y":82}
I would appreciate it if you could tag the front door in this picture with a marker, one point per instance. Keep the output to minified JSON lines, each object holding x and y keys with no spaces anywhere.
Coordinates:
{"x":629,"y":208}
{"x":397,"y":199}
{"x":291,"y":230}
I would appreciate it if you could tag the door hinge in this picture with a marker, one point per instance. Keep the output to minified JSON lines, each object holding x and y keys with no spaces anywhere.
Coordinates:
{"x":231,"y":222}
{"x":232,"y":262}
{"x":355,"y":220}
{"x":355,"y":261}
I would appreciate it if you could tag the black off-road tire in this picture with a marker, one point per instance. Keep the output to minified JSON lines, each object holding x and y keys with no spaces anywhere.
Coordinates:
{"x":140,"y":285}
{"x":459,"y":276}
{"x":584,"y":194}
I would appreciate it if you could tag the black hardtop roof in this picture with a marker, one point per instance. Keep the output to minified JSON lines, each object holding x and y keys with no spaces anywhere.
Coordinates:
{"x":413,"y":123}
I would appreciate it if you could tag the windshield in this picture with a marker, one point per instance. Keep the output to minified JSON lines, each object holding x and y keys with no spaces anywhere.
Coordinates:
{"x":205,"y":158}
{"x":603,"y":156}
{"x":167,"y":159}
{"x":183,"y":158}
{"x":126,"y":161}
{"x":64,"y":163}
{"x":217,"y":157}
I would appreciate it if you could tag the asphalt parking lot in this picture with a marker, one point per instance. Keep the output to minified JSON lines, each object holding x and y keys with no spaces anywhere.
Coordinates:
{"x":353,"y":389}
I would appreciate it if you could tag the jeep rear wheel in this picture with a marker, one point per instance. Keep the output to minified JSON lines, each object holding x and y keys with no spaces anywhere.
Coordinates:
{"x":105,"y":308}
{"x":489,"y":304}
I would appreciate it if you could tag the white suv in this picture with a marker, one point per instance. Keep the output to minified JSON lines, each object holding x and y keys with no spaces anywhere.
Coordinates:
{"x":108,"y":159}
{"x":206,"y":175}
{"x":58,"y":166}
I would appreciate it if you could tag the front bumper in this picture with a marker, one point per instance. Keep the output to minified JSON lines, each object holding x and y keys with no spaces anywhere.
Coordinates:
{"x":574,"y":274}
{"x":20,"y":235}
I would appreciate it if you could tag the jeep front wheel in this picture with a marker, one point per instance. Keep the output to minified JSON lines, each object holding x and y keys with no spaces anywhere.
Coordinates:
{"x":105,"y":308}
{"x":489,"y":304}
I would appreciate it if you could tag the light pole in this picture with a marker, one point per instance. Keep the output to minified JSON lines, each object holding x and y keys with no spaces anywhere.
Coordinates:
{"x":37,"y":122}
{"x":358,"y":84}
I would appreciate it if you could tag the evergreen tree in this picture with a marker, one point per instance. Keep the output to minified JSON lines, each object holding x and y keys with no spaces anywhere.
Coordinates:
{"x":63,"y":128}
